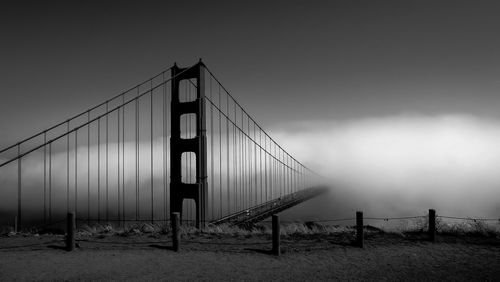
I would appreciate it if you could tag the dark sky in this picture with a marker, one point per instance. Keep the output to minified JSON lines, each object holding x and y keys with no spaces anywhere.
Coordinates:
{"x":284,"y":61}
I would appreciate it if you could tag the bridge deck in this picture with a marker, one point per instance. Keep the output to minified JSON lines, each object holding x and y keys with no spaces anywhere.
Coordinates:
{"x":265,"y":210}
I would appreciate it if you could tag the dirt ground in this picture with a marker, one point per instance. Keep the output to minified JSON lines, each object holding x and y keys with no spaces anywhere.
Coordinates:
{"x":227,"y":257}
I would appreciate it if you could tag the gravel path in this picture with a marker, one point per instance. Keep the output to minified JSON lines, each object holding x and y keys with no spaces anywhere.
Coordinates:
{"x":209,"y":257}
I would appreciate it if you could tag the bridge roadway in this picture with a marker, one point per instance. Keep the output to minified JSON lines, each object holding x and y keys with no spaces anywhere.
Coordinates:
{"x":267,"y":209}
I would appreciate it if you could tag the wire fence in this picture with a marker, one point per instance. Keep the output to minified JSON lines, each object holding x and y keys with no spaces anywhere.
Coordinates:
{"x":162,"y":239}
{"x":208,"y":223}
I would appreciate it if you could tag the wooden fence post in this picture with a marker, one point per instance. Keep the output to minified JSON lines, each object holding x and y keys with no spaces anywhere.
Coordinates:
{"x":176,"y":235}
{"x":70,"y":232}
{"x":432,"y":225}
{"x":276,"y":235}
{"x":359,"y":229}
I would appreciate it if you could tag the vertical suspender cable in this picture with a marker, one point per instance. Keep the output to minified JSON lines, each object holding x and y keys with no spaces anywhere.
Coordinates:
{"x":249,"y":163}
{"x":246,"y":157}
{"x":255,"y":173}
{"x":285,"y":173}
{"x":19,"y":184}
{"x":273,"y":160}
{"x":244,"y":164}
{"x":291,"y":172}
{"x":247,"y":174}
{"x":282,"y":172}
{"x":167,"y":145}
{"x":99,"y":169}
{"x":243,"y":179}
{"x":296,"y":178}
{"x":67,"y":169}
{"x":50,"y":181}
{"x":265,"y":164}
{"x":276,"y":187}
{"x":167,"y":153}
{"x":242,"y":174}
{"x":137,"y":155}
{"x":275,"y":174}
{"x":279,"y":173}
{"x":88,"y":167}
{"x":227,"y":154}
{"x":274,"y":171}
{"x":236,"y":160}
{"x":164,"y":153}
{"x":288,"y":170}
{"x":271,"y":170}
{"x":123,"y":157}
{"x":240,"y":165}
{"x":76,"y":173}
{"x":249,"y":149}
{"x":235,"y":164}
{"x":220,"y":157}
{"x":212,"y":182}
{"x":45,"y":177}
{"x":285,"y":179}
{"x":278,"y":182}
{"x":250,"y":166}
{"x":288,"y":174}
{"x":107,"y":163}
{"x":244,"y":161}
{"x":305,"y":177}
{"x":118,"y":165}
{"x":255,"y":164}
{"x":152,"y":172}
{"x":260,"y":166}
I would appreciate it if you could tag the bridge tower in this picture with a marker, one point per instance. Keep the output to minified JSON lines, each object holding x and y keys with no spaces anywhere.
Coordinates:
{"x":198,"y":145}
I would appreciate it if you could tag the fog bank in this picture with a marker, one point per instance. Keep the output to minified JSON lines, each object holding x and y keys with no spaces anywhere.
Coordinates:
{"x":401,"y":165}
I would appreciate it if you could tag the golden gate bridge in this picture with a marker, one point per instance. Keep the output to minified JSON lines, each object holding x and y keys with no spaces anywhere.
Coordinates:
{"x":177,"y":142}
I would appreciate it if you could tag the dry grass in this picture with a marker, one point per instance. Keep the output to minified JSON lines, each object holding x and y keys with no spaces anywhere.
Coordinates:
{"x":474,"y":227}
{"x":470,"y":227}
{"x":222,"y":229}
